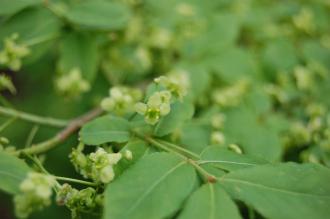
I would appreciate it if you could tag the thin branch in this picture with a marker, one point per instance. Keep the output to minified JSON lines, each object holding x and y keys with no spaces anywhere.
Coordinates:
{"x":71,"y":128}
{"x":33,"y":118}
{"x":75,"y":181}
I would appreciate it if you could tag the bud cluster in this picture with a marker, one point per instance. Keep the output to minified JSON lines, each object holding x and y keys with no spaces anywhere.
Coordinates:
{"x":77,"y":200}
{"x":35,"y":194}
{"x":121,"y":100}
{"x":232,"y":95}
{"x":12,"y":53}
{"x":7,"y":84}
{"x":98,"y":165}
{"x":72,"y":84}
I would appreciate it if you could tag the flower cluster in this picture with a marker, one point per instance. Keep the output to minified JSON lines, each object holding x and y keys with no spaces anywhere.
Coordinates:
{"x":176,"y":81}
{"x":7,"y":84}
{"x":12,"y":53}
{"x":77,"y":200}
{"x":159,"y":104}
{"x":121,"y":100}
{"x":35,"y":194}
{"x":72,"y":84}
{"x":232,"y":95}
{"x":97,"y":166}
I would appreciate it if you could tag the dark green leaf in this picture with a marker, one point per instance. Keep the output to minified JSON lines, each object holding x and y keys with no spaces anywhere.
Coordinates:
{"x":9,"y":7}
{"x":79,"y":51}
{"x":99,"y":14}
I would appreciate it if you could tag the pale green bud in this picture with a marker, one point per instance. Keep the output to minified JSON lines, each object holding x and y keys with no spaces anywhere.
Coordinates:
{"x":235,"y":148}
{"x":217,"y":138}
{"x":72,"y":84}
{"x":160,"y":38}
{"x":218,"y":120}
{"x":185,"y":9}
{"x":7,"y":84}
{"x":107,"y":174}
{"x":128,"y":154}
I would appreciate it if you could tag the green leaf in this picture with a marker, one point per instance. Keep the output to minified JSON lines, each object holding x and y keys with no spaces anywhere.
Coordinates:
{"x":212,"y":202}
{"x":105,"y":129}
{"x":12,"y":172}
{"x":252,"y":133}
{"x":99,"y":14}
{"x":195,"y":136}
{"x":228,"y":160}
{"x":9,"y":7}
{"x":138,"y":148}
{"x":283,"y":191}
{"x":180,"y":112}
{"x":79,"y":51}
{"x":155,"y":187}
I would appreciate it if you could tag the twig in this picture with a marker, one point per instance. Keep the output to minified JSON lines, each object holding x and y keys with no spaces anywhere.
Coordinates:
{"x":33,"y":118}
{"x":75,"y":181}
{"x":72,"y":127}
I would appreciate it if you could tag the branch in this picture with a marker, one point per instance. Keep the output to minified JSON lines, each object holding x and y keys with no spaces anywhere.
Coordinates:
{"x":61,"y":136}
{"x":33,"y":118}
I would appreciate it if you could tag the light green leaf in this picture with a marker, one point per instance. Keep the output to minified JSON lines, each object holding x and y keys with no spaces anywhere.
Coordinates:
{"x":9,"y":7}
{"x":283,"y":191}
{"x":210,"y":202}
{"x":227,"y":160}
{"x":155,"y":187}
{"x":12,"y":172}
{"x":180,"y":112}
{"x":79,"y":51}
{"x":254,"y":135}
{"x":105,"y":129}
{"x":99,"y":14}
{"x":195,"y":136}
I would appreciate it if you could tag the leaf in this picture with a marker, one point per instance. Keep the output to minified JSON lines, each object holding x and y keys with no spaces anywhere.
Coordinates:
{"x":212,"y":202}
{"x":99,"y":15}
{"x":138,"y":148}
{"x":228,"y":160}
{"x":283,"y":191}
{"x":180,"y":112}
{"x":195,"y":137}
{"x":12,"y":172}
{"x":105,"y":129}
{"x":9,"y":7}
{"x":155,"y":187}
{"x":79,"y":51}
{"x":36,"y":27}
{"x":253,"y":134}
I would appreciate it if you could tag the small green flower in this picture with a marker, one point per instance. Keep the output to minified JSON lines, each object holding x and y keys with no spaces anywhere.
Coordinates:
{"x":157,"y":106}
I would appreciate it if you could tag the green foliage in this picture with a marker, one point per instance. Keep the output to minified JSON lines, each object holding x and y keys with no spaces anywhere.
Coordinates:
{"x":12,"y":173}
{"x":157,"y":178}
{"x":173,"y":109}
{"x":105,"y":129}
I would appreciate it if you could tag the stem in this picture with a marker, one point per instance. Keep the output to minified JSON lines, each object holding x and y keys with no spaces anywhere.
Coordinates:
{"x":31,"y":135}
{"x":192,"y":154}
{"x":61,"y":136}
{"x":7,"y":123}
{"x":207,"y":176}
{"x":33,"y":118}
{"x":75,"y":181}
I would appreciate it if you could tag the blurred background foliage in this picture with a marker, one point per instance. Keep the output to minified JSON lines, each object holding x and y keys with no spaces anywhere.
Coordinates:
{"x":273,"y":54}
